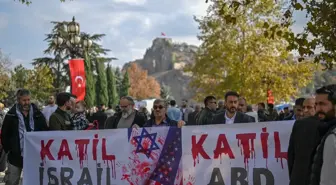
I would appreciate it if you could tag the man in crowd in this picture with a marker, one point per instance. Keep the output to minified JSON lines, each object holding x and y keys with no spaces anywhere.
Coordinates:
{"x":251,"y":113}
{"x":192,"y":116}
{"x":61,"y":118}
{"x":50,"y":108}
{"x":22,"y":117}
{"x":221,"y":106}
{"x":298,"y":111}
{"x":160,"y":118}
{"x":231,"y":114}
{"x":262,"y":114}
{"x":309,"y":107}
{"x":306,"y":135}
{"x":272,"y":113}
{"x":173,"y":112}
{"x":323,"y":168}
{"x":242,"y":107}
{"x":186,"y":110}
{"x":128,"y":117}
{"x":206,"y":115}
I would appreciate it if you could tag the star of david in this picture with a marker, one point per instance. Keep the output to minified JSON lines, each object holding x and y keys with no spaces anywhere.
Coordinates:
{"x":153,"y":145}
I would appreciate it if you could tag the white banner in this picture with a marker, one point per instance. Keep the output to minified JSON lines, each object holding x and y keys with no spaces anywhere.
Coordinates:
{"x":253,"y":153}
{"x":236,"y":154}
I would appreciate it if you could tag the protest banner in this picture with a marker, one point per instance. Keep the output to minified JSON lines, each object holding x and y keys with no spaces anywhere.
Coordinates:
{"x":215,"y":154}
{"x":250,"y":153}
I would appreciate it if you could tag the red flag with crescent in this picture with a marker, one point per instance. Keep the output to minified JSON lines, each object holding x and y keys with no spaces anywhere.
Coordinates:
{"x":78,"y":80}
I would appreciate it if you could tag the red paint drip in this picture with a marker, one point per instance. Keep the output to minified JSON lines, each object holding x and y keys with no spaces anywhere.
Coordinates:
{"x":264,"y":144}
{"x":161,"y":140}
{"x":247,"y":150}
{"x":81,"y":147}
{"x":278,"y":154}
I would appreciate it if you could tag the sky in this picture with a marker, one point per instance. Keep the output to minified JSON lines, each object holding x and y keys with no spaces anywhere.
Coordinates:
{"x":130,"y":25}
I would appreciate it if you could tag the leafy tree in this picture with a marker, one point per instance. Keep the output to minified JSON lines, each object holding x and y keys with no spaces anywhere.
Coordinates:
{"x":5,"y":63}
{"x":63,"y":52}
{"x":142,"y":85}
{"x":119,"y":78}
{"x":40,"y":83}
{"x":165,"y":92}
{"x":125,"y":85}
{"x":101,"y":84}
{"x":318,"y":37}
{"x":111,"y":86}
{"x":20,"y":76}
{"x":239,"y":57}
{"x":90,"y":95}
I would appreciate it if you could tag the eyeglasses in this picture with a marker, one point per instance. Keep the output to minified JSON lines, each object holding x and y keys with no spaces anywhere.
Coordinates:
{"x":158,"y":107}
{"x":123,"y":107}
{"x":214,"y":102}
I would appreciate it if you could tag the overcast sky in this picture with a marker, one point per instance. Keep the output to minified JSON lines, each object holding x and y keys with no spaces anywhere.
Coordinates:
{"x":130,"y":25}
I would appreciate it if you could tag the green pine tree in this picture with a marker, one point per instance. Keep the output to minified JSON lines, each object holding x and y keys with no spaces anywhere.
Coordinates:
{"x":111,"y":86}
{"x":90,"y":96}
{"x":119,"y":78}
{"x":125,"y":85}
{"x":101,"y":85}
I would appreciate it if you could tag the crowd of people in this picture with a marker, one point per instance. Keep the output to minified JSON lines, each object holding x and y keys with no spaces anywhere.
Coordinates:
{"x":311,"y":152}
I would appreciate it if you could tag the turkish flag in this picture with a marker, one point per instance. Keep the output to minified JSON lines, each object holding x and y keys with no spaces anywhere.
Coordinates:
{"x":78,"y":80}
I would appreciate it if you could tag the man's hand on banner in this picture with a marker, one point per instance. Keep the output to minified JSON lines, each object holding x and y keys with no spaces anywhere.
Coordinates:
{"x":135,"y":126}
{"x":180,"y":123}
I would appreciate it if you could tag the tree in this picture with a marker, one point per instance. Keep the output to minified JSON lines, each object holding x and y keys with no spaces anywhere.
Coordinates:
{"x":165,"y":92}
{"x":40,"y":83}
{"x":20,"y":76}
{"x":119,"y":78}
{"x":101,"y":84}
{"x":125,"y":85}
{"x":5,"y":63}
{"x":239,"y":57}
{"x":318,"y":37}
{"x":90,"y":95}
{"x":63,"y":52}
{"x":142,"y":86}
{"x":111,"y":86}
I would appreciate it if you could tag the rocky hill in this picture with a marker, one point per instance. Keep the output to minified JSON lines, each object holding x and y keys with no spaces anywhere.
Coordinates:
{"x":165,"y":60}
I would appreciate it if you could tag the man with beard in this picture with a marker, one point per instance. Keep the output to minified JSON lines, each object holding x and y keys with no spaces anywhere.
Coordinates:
{"x":324,"y":166}
{"x":231,"y":115}
{"x":50,"y":108}
{"x":61,"y":118}
{"x":128,"y":117}
{"x":309,"y":107}
{"x":305,"y":137}
{"x":23,"y":117}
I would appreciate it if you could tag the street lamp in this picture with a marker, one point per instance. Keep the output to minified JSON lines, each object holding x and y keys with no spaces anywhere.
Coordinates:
{"x":73,"y":40}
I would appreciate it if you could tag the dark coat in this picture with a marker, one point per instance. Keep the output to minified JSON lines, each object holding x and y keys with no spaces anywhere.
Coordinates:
{"x":240,"y":118}
{"x":112,"y":122}
{"x":101,"y":117}
{"x":10,"y":138}
{"x":205,"y":117}
{"x":303,"y":141}
{"x":60,"y":120}
{"x":192,"y":118}
{"x":168,"y":122}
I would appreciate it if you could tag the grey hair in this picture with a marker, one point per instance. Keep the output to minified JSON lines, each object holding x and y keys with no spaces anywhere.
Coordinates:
{"x":130,"y":99}
{"x":22,"y":92}
{"x":158,"y":101}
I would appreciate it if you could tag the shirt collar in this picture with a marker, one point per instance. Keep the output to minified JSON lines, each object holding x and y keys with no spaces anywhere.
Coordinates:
{"x":234,"y":116}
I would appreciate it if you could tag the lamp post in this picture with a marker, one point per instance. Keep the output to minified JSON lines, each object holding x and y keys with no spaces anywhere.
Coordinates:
{"x":72,"y":41}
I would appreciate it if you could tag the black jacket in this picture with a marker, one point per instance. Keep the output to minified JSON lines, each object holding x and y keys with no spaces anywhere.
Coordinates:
{"x":101,"y":117}
{"x":303,"y":141}
{"x":112,"y":122}
{"x":169,"y":122}
{"x":240,"y":118}
{"x":10,"y":134}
